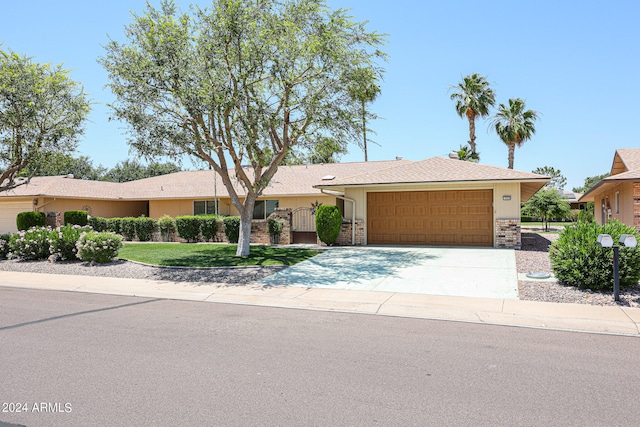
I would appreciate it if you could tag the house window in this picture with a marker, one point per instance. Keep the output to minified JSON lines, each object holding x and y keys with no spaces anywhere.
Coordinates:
{"x":617,"y":203}
{"x":205,"y":207}
{"x":263,"y":208}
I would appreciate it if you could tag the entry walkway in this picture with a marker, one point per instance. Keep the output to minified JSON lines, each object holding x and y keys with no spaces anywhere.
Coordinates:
{"x":470,"y":272}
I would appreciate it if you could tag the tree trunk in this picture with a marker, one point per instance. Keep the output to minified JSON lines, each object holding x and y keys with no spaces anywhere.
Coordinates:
{"x":512,"y":149}
{"x":244,"y":240}
{"x":246,"y":216}
{"x":364,"y":130}
{"x":472,"y":133}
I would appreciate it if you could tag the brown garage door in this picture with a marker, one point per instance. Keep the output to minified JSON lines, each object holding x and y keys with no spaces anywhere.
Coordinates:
{"x":448,"y":218}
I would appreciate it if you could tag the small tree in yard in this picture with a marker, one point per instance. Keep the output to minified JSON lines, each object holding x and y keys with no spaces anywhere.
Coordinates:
{"x":547,"y":204}
{"x":328,"y":223}
{"x":41,"y":111}
{"x":240,"y":83}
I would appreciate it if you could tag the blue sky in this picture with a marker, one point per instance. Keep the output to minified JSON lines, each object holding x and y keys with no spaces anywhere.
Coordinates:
{"x":574,"y":61}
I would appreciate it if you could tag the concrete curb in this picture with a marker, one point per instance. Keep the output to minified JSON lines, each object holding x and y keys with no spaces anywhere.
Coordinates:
{"x":531,"y":314}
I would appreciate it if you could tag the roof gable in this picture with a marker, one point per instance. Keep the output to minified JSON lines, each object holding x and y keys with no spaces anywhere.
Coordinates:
{"x":625,"y":160}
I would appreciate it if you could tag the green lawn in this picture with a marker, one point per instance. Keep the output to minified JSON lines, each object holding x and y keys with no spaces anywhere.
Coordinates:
{"x":211,"y":255}
{"x":551,"y":224}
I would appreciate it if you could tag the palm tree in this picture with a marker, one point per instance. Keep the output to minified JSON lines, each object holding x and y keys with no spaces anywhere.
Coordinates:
{"x":474,"y":97}
{"x":363,"y":87}
{"x":514,"y":125}
{"x":465,"y":153}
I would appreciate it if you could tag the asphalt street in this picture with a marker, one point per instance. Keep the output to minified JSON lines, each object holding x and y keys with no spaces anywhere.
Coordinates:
{"x":75,"y":359}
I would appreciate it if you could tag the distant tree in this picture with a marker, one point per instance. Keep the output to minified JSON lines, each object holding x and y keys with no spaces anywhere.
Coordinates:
{"x":547,"y":204}
{"x":474,"y":98}
{"x":558,"y":180}
{"x":51,"y":164}
{"x":363,"y":88}
{"x":514,"y":125}
{"x":589,"y":183}
{"x":465,"y":153}
{"x":131,"y":170}
{"x":242,"y":83}
{"x":41,"y":111}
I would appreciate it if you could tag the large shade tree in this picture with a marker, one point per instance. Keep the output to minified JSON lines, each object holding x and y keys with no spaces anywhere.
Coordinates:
{"x":514,"y":125}
{"x":474,"y":98}
{"x":239,"y":84}
{"x":558,"y":180}
{"x":41,"y":111}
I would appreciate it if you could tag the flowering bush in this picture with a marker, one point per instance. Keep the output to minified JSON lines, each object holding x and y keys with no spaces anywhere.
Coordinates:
{"x":62,"y":241}
{"x":98,"y":247}
{"x":4,"y":245}
{"x":30,"y":244}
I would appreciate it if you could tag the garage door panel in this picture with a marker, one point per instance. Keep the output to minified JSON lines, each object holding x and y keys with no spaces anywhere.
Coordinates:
{"x":452,"y":218}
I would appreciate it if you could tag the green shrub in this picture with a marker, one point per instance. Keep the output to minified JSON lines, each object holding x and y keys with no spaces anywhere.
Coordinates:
{"x":585,"y":216}
{"x":62,"y":241}
{"x":75,"y":217}
{"x":99,"y":247}
{"x":231,"y":225}
{"x":578,"y":260}
{"x":31,"y":244}
{"x":275,"y":226}
{"x":167,"y":227}
{"x":145,"y":227}
{"x":188,"y":227}
{"x":525,"y":218}
{"x":5,"y":248}
{"x":208,"y":227}
{"x":328,"y":223}
{"x":98,"y":223}
{"x":113,"y":225}
{"x":27,"y":220}
{"x":128,"y":227}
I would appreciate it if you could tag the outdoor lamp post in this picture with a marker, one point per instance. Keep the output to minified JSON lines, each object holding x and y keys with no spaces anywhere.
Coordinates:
{"x":628,"y":240}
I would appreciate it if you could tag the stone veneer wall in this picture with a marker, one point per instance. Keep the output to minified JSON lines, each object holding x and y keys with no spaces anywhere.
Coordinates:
{"x":53,"y":219}
{"x":344,"y":238}
{"x":508,"y":233}
{"x":260,"y":230}
{"x":636,"y":205}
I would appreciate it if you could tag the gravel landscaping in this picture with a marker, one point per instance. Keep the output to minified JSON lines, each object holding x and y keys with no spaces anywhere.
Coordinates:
{"x":533,"y":257}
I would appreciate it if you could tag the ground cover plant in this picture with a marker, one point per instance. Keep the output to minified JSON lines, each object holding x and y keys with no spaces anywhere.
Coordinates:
{"x":218,"y":255}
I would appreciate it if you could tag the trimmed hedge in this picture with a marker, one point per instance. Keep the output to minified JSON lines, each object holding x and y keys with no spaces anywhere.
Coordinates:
{"x":113,"y":225}
{"x":188,"y":227}
{"x":328,"y":223}
{"x":128,"y":227}
{"x":98,"y":223}
{"x":167,"y":227}
{"x":208,"y":227}
{"x":76,"y":217}
{"x":231,"y":225}
{"x":26,"y":220}
{"x":145,"y":227}
{"x":578,"y":260}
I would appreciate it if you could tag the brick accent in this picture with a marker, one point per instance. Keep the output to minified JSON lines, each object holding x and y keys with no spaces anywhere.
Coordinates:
{"x":636,"y":205}
{"x":260,"y":230}
{"x":344,"y":238}
{"x":53,"y":219}
{"x":508,"y":233}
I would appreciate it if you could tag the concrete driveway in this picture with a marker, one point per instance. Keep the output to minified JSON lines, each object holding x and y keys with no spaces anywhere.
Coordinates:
{"x":472,"y":272}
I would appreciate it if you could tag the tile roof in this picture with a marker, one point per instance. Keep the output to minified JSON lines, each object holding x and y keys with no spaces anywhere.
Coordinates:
{"x":435,"y":169}
{"x":288,"y":180}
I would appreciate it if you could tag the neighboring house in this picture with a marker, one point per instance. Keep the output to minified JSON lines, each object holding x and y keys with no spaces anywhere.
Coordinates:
{"x":436,"y":201}
{"x":618,"y":195}
{"x":573,"y":199}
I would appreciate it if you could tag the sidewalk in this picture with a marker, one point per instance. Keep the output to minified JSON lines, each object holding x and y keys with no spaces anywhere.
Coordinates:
{"x":542,"y":315}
